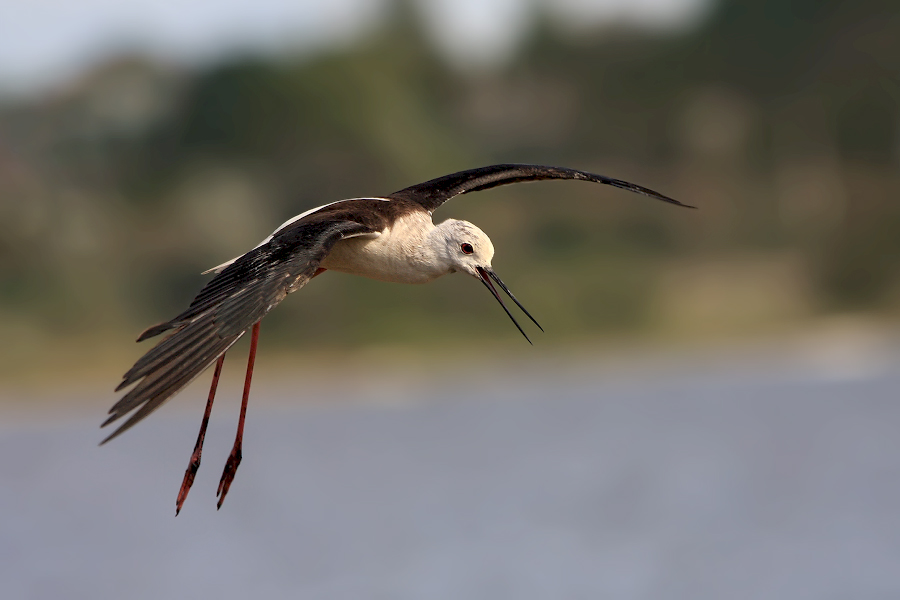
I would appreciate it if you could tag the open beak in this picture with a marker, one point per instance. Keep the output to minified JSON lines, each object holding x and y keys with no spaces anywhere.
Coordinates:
{"x":485,"y":275}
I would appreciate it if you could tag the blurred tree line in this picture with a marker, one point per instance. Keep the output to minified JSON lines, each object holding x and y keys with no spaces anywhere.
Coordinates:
{"x":778,"y":118}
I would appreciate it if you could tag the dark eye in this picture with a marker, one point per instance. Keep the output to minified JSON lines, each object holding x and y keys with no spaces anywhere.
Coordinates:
{"x":467,"y":248}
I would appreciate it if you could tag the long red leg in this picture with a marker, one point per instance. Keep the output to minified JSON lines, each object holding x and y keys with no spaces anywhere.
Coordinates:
{"x":191,"y":471}
{"x":234,"y":459}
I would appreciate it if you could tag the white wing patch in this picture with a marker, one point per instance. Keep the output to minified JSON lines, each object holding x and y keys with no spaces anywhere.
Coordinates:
{"x":219,"y":268}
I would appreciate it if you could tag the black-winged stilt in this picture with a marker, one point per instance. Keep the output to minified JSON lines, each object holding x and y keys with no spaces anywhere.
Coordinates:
{"x":390,"y":238}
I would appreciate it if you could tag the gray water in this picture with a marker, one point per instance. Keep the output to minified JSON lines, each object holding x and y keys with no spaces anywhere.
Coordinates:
{"x":772,"y":483}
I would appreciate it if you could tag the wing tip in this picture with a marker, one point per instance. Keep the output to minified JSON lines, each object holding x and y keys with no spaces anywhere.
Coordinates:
{"x":219,"y":268}
{"x":114,"y":433}
{"x":676,"y":202}
{"x":154,"y":331}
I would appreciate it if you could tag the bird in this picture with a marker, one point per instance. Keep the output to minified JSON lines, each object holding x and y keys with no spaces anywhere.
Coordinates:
{"x":390,"y":238}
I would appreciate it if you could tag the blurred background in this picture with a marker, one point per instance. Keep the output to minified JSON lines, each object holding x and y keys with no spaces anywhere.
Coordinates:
{"x":708,"y":414}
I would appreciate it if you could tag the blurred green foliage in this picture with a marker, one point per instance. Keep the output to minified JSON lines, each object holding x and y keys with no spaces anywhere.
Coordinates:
{"x":778,"y":118}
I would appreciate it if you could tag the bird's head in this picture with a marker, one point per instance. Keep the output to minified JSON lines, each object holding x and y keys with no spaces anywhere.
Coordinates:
{"x":466,"y":246}
{"x":469,"y":250}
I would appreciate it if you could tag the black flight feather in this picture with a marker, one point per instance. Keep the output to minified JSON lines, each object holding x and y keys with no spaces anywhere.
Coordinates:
{"x":222,"y":312}
{"x":431,"y":194}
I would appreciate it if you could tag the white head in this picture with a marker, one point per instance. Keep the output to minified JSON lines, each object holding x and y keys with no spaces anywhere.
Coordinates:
{"x":466,"y":247}
{"x":469,"y":250}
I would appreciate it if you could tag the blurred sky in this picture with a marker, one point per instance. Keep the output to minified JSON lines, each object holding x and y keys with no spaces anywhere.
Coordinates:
{"x":43,"y":42}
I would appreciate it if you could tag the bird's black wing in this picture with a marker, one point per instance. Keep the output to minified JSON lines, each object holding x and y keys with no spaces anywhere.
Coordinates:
{"x":223,"y":311}
{"x":431,"y":194}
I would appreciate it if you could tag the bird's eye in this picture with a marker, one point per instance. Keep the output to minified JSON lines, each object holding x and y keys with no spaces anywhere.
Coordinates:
{"x":467,"y":248}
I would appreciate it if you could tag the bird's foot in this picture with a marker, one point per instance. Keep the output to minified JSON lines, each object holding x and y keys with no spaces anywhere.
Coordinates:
{"x":188,"y":481}
{"x":231,"y":465}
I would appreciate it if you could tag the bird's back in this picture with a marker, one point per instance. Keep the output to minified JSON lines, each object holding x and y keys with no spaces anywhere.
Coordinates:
{"x":403,"y":252}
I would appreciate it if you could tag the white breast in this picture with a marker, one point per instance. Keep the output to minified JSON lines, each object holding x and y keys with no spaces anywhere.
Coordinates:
{"x":403,"y":253}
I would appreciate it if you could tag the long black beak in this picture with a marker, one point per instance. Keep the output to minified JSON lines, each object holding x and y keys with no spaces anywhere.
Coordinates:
{"x":486,"y":275}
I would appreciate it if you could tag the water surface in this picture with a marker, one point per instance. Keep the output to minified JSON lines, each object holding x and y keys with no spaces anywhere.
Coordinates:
{"x":780,"y":482}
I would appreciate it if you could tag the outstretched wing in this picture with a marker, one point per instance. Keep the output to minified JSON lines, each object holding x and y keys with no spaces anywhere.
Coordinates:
{"x":222,"y":312}
{"x":432,"y":194}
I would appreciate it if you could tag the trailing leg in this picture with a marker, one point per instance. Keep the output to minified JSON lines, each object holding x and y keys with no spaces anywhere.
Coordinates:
{"x":234,"y":459}
{"x":191,"y":471}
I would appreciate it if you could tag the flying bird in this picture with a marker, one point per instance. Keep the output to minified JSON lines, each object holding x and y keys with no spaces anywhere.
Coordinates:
{"x":390,"y":238}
